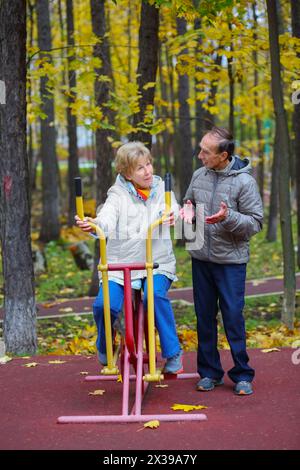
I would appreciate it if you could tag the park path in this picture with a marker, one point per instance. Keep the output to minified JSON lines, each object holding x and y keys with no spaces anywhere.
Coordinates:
{"x":254,"y":288}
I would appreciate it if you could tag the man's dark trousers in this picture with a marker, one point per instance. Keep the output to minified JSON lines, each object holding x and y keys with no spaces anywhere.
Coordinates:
{"x":222,"y":284}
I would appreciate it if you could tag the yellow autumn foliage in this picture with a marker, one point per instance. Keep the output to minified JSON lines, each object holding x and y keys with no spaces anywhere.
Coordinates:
{"x":261,"y":337}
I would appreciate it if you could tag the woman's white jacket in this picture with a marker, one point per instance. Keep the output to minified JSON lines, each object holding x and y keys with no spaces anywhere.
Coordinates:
{"x":125,"y":218}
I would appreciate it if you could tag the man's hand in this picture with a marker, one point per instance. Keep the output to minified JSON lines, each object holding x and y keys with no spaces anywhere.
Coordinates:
{"x":219,"y":216}
{"x":83,"y":224}
{"x":187,"y":212}
{"x":170,"y":220}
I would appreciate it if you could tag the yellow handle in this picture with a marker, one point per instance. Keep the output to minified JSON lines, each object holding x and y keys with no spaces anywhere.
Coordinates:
{"x":154,"y":375}
{"x":168,"y":201}
{"x":79,"y":207}
{"x":111,"y":368}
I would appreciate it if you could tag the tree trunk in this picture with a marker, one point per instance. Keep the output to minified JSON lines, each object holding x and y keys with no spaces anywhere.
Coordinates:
{"x":73,"y":166}
{"x":19,"y":301}
{"x":288,"y":309}
{"x":261,"y":162}
{"x":200,"y":112}
{"x":157,"y":155}
{"x":146,"y":71}
{"x":50,"y":189}
{"x":296,"y":121}
{"x":129,"y":36}
{"x":29,"y":92}
{"x":185,"y":134}
{"x":104,"y":152}
{"x":273,"y":208}
{"x":165,"y":135}
{"x":231,"y":84}
{"x":173,"y":142}
{"x":210,"y":118}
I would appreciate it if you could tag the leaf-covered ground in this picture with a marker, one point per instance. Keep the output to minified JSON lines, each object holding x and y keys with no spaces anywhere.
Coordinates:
{"x":77,"y":334}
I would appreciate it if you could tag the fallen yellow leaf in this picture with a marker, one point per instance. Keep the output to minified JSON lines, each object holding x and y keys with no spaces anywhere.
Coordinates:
{"x":57,"y":361}
{"x":270,"y":350}
{"x":30,"y":364}
{"x":5,"y":359}
{"x":66,"y":290}
{"x":49,"y":305}
{"x":161,"y":386}
{"x":66,"y":309}
{"x":258,"y":282}
{"x":120,"y":379}
{"x":152,"y":424}
{"x":83,"y":373}
{"x":179,"y":406}
{"x":97,"y":392}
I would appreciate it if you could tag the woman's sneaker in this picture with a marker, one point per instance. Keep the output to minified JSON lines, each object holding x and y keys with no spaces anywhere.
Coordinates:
{"x":174,"y":364}
{"x":207,"y":384}
{"x":243,"y":388}
{"x":102,"y":358}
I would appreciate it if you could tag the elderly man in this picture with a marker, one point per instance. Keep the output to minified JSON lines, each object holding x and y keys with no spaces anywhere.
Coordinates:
{"x":233,"y":212}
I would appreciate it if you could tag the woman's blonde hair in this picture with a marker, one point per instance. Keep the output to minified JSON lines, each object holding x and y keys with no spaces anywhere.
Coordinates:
{"x":127,"y":157}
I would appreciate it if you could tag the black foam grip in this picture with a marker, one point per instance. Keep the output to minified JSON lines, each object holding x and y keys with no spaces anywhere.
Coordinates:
{"x":78,"y":186}
{"x":168,"y":182}
{"x":155,"y":265}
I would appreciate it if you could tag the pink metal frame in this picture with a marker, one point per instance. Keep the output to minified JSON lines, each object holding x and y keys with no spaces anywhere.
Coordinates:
{"x":133,"y":355}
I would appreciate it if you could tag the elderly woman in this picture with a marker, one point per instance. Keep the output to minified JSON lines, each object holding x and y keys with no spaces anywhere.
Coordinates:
{"x":134,"y":201}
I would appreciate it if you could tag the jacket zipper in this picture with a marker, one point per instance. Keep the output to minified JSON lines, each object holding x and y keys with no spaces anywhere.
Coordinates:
{"x":210,"y":210}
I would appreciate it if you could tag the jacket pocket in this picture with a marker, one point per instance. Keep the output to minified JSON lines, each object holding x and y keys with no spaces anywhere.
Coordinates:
{"x":235,"y":245}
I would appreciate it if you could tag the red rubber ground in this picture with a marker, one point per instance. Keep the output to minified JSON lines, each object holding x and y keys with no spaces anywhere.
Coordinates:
{"x":33,"y":398}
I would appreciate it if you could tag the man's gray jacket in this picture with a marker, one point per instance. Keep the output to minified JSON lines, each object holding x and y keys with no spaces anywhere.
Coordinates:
{"x":227,"y":241}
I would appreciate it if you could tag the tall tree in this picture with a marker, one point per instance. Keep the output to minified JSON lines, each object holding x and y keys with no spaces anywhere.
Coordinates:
{"x":185,"y":133}
{"x":19,"y":302}
{"x":288,"y":309}
{"x":73,"y":166}
{"x":231,"y":82}
{"x":213,"y":89}
{"x":165,"y":135}
{"x":104,"y":151}
{"x":50,"y":189}
{"x":296,"y":119}
{"x":30,"y":7}
{"x":274,"y":196}
{"x":147,"y":69}
{"x":261,"y":162}
{"x":200,"y":112}
{"x":174,"y":138}
{"x":274,"y":200}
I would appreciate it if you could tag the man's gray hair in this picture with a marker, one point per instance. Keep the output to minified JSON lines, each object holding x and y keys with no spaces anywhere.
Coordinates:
{"x":225,"y":139}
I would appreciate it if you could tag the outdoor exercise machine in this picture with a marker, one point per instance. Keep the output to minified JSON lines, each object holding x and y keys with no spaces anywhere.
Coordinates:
{"x":136,"y":329}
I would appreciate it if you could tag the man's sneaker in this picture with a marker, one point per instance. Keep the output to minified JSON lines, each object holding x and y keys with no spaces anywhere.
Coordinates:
{"x":206,"y":384}
{"x":174,"y":365}
{"x":243,"y":388}
{"x":102,"y":358}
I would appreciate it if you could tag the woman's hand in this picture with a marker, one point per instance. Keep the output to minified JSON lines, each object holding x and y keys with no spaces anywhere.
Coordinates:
{"x":83,"y":224}
{"x":170,"y":220}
